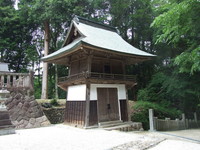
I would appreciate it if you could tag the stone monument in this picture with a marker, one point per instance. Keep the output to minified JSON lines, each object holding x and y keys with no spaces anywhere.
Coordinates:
{"x":6,"y":126}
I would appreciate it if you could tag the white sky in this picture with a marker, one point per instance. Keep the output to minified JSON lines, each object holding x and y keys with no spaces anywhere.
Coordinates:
{"x":16,"y":4}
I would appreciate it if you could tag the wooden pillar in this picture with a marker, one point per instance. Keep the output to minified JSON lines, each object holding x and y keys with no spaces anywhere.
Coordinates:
{"x":124,"y":68}
{"x":87,"y":105}
{"x":127,"y":103}
{"x":89,"y":63}
{"x":69,"y":65}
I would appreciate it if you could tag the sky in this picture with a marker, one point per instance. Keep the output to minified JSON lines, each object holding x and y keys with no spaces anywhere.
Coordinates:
{"x":16,"y":4}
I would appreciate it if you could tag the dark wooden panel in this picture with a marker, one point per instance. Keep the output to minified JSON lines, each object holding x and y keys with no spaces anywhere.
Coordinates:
{"x":83,"y":65}
{"x":107,"y":104}
{"x":102,"y":104}
{"x":113,"y":102}
{"x":117,"y":67}
{"x":75,"y":112}
{"x":93,"y":119}
{"x":74,"y":68}
{"x":97,"y":66}
{"x":123,"y":109}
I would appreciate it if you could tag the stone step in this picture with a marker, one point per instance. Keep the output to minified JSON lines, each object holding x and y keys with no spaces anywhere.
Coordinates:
{"x":5,"y":122}
{"x":7,"y":130}
{"x":7,"y":127}
{"x":4,"y":115}
{"x":110,"y":123}
{"x":127,"y":126}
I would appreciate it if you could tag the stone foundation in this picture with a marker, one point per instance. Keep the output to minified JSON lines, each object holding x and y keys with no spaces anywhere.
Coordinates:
{"x":55,"y":115}
{"x":24,"y":110}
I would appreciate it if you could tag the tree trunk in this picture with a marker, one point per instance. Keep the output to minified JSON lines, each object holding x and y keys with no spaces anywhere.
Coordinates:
{"x":45,"y":65}
{"x":56,"y":81}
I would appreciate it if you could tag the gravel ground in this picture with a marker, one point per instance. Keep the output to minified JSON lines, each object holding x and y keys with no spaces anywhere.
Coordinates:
{"x":140,"y":144}
{"x":63,"y":137}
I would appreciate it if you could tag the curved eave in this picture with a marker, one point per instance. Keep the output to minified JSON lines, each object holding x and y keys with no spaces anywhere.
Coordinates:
{"x":62,"y":52}
{"x":149,"y":56}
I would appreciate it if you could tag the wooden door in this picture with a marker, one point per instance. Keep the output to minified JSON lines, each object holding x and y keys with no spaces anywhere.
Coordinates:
{"x":107,"y":104}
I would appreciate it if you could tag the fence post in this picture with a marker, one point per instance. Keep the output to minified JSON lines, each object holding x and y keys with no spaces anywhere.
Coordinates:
{"x":155,"y":121}
{"x":151,"y":120}
{"x":195,"y":117}
{"x":187,"y":123}
{"x":167,"y":123}
{"x":184,"y":121}
{"x":178,"y":127}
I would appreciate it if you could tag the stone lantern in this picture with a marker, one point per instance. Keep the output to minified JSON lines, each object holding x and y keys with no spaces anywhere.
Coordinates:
{"x":4,"y":93}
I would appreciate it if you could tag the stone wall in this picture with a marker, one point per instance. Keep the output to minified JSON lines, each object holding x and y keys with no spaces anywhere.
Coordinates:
{"x":55,"y":115}
{"x":24,"y":110}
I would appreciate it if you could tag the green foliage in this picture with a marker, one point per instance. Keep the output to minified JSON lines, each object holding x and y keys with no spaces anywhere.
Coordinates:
{"x":170,"y":88}
{"x":179,"y":25}
{"x":16,"y":39}
{"x":54,"y":102}
{"x":189,"y":61}
{"x":141,"y":108}
{"x":154,"y":91}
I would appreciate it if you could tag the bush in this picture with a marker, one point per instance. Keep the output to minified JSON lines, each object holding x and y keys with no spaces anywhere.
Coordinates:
{"x":140,"y":112}
{"x":54,"y":102}
{"x":46,"y":105}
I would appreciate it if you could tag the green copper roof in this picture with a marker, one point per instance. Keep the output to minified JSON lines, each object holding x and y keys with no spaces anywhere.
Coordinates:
{"x":101,"y":37}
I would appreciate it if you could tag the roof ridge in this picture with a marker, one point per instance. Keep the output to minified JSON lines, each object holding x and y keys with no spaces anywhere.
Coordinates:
{"x":78,"y":19}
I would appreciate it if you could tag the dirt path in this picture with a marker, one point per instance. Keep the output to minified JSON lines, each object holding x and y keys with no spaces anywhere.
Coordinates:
{"x":175,"y":140}
{"x":192,"y":135}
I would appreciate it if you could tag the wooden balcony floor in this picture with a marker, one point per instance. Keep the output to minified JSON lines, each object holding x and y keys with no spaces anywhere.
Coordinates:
{"x":96,"y":78}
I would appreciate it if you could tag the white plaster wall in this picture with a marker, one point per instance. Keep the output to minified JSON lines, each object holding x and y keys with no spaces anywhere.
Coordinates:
{"x":76,"y":93}
{"x":120,"y":88}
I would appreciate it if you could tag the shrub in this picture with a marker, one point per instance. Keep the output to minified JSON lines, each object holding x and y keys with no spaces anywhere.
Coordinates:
{"x":46,"y":105}
{"x":140,"y":112}
{"x":54,"y":102}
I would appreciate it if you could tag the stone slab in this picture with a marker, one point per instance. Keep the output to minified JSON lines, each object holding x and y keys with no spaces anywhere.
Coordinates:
{"x":7,"y":131}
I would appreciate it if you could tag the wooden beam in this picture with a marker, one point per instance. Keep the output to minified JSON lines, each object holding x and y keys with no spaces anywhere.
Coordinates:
{"x":87,"y":107}
{"x":105,"y":58}
{"x":89,"y":62}
{"x":131,"y":56}
{"x":128,"y":108}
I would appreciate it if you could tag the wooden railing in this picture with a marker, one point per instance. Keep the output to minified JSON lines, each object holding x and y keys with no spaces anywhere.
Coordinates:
{"x":16,"y":80}
{"x":167,"y":124}
{"x":95,"y":75}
